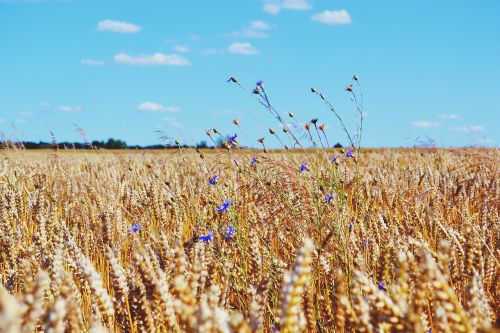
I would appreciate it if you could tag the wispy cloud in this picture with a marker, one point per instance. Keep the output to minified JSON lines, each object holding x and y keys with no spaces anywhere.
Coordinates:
{"x":333,"y":17}
{"x":26,"y":114}
{"x":195,"y":37}
{"x":92,"y":62}
{"x":156,"y":107}
{"x":473,"y":128}
{"x":174,"y":123}
{"x":181,"y":48}
{"x":449,"y":116}
{"x":68,"y":109}
{"x":211,"y":51}
{"x":152,"y":59}
{"x":255,"y":29}
{"x":424,"y":123}
{"x":276,"y":6}
{"x":118,"y":26}
{"x":2,"y":120}
{"x":242,"y":48}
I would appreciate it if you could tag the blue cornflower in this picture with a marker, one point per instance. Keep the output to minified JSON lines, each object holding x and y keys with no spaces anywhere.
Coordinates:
{"x":254,"y":161}
{"x":230,"y":233}
{"x":213,"y":180}
{"x":207,"y":238}
{"x":259,"y":83}
{"x":135,"y":228}
{"x":303,"y":167}
{"x":350,"y":226}
{"x":381,"y":286}
{"x":225,"y":205}
{"x":328,"y":198}
{"x":232,"y":139}
{"x":349,"y":153}
{"x":334,"y":159}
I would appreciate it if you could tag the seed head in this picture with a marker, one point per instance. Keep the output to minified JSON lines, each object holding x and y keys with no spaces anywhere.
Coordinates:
{"x":322,"y":127}
{"x":236,"y":122}
{"x":313,"y":90}
{"x":271,"y":131}
{"x":349,"y":88}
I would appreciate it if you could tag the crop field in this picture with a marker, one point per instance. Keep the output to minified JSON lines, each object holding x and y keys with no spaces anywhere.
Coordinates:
{"x":234,"y":240}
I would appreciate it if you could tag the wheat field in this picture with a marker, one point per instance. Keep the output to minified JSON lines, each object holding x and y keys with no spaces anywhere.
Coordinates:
{"x":250,"y":241}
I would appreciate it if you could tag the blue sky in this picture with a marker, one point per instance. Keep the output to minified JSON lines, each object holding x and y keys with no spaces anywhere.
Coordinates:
{"x":124,"y":69}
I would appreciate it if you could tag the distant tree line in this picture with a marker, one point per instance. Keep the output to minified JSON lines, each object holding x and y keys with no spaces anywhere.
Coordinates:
{"x":109,"y":144}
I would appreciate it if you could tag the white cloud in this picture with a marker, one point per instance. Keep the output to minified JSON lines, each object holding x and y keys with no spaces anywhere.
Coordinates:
{"x":255,"y":29}
{"x":242,"y":48}
{"x":2,"y":120}
{"x":449,"y":116}
{"x":296,"y":4}
{"x":92,"y":62}
{"x":152,"y":59}
{"x":181,"y":48}
{"x":117,"y":26}
{"x":473,"y":128}
{"x":423,"y":123}
{"x":333,"y":17}
{"x":155,"y":107}
{"x":274,"y":6}
{"x":68,"y":109}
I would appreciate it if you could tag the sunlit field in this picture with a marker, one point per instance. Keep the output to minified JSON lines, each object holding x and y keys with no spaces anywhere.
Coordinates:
{"x":230,"y":240}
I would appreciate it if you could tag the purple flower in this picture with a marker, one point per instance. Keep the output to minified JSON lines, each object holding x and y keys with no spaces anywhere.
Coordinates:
{"x":213,"y":180}
{"x":366,"y":241}
{"x":350,"y":226}
{"x":349,"y":153}
{"x":381,"y":286}
{"x":334,"y":159}
{"x":135,"y":228}
{"x":328,"y":198}
{"x":232,"y":139}
{"x":207,"y":238}
{"x":235,"y":161}
{"x":303,"y":167}
{"x":259,"y":83}
{"x":225,"y":205}
{"x":254,"y":161}
{"x":230,"y":233}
